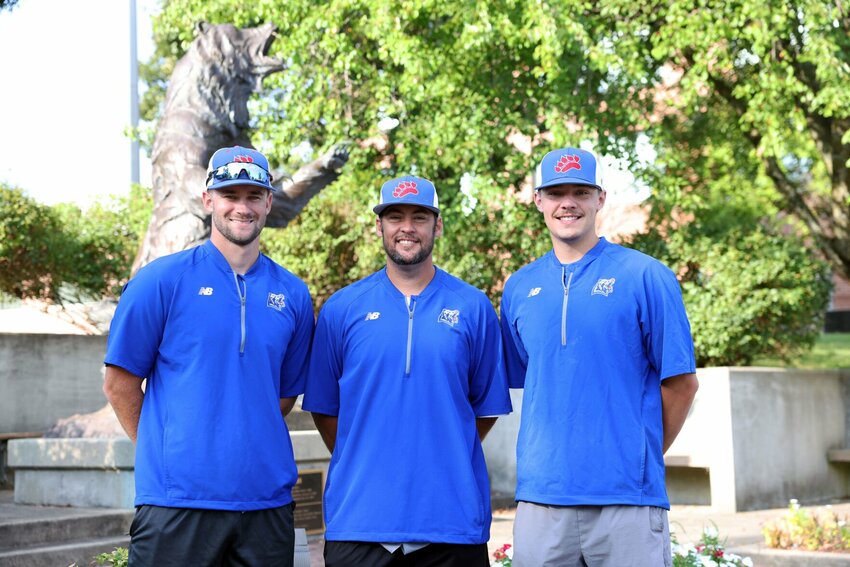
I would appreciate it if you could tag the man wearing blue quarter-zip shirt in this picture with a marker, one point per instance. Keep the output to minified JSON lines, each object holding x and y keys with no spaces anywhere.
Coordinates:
{"x":597,"y":336}
{"x":222,"y":335}
{"x":405,"y":378}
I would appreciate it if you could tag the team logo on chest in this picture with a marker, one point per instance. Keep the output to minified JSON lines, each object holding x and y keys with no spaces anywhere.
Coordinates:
{"x":603,"y":287}
{"x":276,"y":301}
{"x":449,"y":316}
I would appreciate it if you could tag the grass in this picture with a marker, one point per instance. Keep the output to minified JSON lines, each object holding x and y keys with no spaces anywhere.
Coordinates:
{"x":832,"y":350}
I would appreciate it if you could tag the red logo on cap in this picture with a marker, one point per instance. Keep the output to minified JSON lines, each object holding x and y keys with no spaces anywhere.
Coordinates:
{"x":243,"y":159}
{"x":405,"y":188}
{"x":567,"y":163}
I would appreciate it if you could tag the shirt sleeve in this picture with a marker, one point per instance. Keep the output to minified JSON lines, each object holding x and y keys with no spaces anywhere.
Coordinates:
{"x":293,"y":376}
{"x":667,"y":332}
{"x":515,"y":357}
{"x":137,"y":327}
{"x":488,"y":385}
{"x":322,"y":391}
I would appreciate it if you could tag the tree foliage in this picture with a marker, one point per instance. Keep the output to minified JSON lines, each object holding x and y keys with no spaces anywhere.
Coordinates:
{"x":63,"y":253}
{"x":755,"y":93}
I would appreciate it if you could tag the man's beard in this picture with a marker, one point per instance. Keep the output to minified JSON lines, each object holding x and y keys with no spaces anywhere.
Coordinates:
{"x":425,"y":249}
{"x":222,"y":226}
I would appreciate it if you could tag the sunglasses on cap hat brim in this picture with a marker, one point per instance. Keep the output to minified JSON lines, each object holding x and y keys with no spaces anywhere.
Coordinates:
{"x":235,"y":171}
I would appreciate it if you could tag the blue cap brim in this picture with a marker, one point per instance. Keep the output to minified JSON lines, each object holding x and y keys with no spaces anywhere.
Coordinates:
{"x":567,"y":181}
{"x":232,"y":182}
{"x":378,"y":209}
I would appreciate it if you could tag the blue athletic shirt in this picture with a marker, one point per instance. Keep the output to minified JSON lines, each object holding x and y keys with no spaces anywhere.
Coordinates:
{"x":590,"y":342}
{"x":407,"y":384}
{"x":211,"y":434}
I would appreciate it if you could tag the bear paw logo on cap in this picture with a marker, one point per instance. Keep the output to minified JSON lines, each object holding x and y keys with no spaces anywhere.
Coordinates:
{"x":243,"y":159}
{"x":567,"y":163}
{"x":405,"y":188}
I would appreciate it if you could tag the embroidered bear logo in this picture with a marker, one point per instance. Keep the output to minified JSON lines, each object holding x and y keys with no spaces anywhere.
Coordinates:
{"x":567,"y":163}
{"x":405,"y":188}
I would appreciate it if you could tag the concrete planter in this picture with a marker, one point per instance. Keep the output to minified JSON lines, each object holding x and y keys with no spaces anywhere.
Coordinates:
{"x":755,"y":438}
{"x":766,"y":557}
{"x":73,"y":472}
{"x":100,"y":472}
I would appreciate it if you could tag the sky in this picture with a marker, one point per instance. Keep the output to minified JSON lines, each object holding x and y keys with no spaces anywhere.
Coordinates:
{"x":65,"y":97}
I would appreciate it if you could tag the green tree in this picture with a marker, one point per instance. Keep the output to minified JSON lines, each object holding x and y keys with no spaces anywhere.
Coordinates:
{"x":32,"y":247}
{"x":755,"y":93}
{"x":62,"y":253}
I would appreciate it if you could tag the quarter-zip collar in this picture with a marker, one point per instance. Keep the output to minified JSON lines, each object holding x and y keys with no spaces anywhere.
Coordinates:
{"x":240,"y":285}
{"x":588,"y":257}
{"x":221,"y":262}
{"x":429,"y":289}
{"x":567,"y":271}
{"x":410,"y":307}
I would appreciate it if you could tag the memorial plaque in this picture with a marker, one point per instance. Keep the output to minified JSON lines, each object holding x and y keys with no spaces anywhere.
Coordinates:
{"x":307,"y":494}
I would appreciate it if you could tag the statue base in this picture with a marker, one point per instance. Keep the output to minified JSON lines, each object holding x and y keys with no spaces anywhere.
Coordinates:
{"x":89,"y":473}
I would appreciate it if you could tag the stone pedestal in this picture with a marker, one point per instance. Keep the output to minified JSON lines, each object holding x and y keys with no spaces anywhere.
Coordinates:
{"x":99,"y":472}
{"x":73,"y":472}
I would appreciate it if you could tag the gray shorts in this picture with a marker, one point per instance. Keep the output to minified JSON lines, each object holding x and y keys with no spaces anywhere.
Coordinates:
{"x":591,"y":536}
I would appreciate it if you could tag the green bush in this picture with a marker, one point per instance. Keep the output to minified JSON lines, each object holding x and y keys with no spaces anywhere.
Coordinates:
{"x":32,"y":247}
{"x":119,"y":557}
{"x":59,"y":253}
{"x":749,"y":292}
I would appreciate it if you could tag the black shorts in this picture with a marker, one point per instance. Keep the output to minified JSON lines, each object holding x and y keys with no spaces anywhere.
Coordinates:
{"x":369,"y":554}
{"x":182,"y":536}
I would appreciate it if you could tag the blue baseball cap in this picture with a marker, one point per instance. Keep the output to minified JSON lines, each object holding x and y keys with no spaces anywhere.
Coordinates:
{"x":568,"y":166}
{"x":408,"y":190}
{"x":238,"y":166}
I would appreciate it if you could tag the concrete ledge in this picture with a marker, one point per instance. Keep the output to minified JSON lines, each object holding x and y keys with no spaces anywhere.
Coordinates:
{"x":766,"y":557}
{"x":685,"y":461}
{"x":838,"y":456}
{"x":71,"y":453}
{"x":86,"y":488}
{"x":73,"y":472}
{"x":308,"y":446}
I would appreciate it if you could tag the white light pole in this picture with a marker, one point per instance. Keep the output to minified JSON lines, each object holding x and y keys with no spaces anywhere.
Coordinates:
{"x":134,"y":96}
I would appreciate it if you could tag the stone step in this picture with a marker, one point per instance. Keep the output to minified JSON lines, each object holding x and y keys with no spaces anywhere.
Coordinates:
{"x":63,"y":527}
{"x":79,"y":553}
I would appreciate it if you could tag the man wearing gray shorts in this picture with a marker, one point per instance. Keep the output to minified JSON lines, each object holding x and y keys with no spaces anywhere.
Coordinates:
{"x":598,"y":337}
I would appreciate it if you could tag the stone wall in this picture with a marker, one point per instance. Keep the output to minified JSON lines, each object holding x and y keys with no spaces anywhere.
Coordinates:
{"x":44,"y":378}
